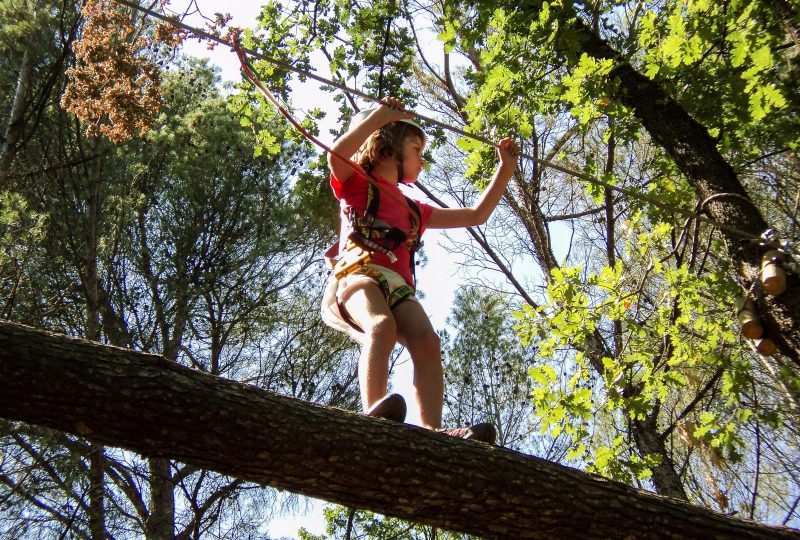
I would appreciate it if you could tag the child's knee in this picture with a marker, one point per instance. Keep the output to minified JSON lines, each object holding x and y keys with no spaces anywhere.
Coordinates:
{"x":383,"y":329}
{"x":428,"y":344}
{"x":434,"y":344}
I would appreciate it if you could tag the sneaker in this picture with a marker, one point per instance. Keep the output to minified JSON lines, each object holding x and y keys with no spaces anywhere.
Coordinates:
{"x":483,"y":432}
{"x":391,"y":407}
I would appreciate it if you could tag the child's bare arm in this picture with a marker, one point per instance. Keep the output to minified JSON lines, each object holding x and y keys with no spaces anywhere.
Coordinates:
{"x":390,"y":110}
{"x":448,"y":218}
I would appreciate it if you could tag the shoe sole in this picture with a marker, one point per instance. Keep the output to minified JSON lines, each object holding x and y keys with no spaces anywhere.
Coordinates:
{"x":392,"y":407}
{"x":483,"y":432}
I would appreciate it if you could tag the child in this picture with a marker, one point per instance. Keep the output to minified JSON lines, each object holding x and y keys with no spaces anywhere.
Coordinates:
{"x":371,"y":294}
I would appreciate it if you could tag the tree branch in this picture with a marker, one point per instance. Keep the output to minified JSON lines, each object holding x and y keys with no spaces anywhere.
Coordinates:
{"x":164,"y":410}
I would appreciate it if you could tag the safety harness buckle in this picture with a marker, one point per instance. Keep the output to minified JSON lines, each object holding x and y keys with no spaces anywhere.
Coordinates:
{"x":351,"y":259}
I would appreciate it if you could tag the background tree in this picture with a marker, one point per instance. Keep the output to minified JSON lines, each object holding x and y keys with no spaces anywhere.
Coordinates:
{"x":486,"y":370}
{"x":35,"y":38}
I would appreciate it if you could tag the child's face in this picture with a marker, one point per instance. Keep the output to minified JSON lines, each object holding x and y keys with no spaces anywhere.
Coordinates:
{"x":412,"y":159}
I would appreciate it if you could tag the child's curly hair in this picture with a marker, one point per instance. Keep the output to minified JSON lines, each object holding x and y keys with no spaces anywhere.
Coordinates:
{"x":387,"y":142}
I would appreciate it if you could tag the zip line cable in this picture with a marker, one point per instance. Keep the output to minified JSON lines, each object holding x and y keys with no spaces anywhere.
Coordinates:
{"x":243,"y":52}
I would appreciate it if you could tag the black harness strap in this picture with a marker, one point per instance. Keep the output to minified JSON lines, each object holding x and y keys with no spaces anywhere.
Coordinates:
{"x":417,"y":242}
{"x":373,"y":234}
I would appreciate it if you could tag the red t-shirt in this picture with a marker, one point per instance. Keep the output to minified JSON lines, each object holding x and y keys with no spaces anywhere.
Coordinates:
{"x":353,"y":193}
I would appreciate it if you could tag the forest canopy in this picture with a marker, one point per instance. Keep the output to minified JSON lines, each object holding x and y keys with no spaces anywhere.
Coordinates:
{"x":613,"y":315}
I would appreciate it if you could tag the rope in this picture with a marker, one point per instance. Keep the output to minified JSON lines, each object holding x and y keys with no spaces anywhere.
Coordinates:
{"x":244,"y":52}
{"x":247,"y":69}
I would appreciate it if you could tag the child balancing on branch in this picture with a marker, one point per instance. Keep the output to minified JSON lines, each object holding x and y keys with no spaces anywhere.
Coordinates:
{"x":371,"y":292}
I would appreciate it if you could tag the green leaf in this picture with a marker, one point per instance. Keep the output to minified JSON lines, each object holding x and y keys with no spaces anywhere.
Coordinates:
{"x":762,"y":58}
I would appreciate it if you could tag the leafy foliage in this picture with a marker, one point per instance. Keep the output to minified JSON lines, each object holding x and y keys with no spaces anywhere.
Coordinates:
{"x":737,"y":62}
{"x":21,"y":231}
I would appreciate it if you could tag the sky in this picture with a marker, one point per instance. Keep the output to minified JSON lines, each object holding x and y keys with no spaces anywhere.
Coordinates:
{"x":437,"y":279}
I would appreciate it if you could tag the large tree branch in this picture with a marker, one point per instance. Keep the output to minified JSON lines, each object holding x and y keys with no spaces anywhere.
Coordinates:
{"x":164,"y":410}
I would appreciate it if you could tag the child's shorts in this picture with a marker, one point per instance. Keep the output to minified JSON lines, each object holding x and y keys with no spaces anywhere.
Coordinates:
{"x":394,"y":287}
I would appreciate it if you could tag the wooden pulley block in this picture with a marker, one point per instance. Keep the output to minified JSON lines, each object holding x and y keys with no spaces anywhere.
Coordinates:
{"x":748,"y":318}
{"x":765,"y":346}
{"x":773,"y":277}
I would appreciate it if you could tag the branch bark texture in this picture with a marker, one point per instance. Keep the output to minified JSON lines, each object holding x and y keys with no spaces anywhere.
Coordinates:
{"x":161,"y":409}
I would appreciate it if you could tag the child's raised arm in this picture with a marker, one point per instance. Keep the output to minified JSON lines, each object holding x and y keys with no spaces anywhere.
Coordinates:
{"x":448,"y":218}
{"x":390,"y":110}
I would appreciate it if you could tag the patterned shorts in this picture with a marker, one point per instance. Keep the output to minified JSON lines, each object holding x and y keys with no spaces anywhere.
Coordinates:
{"x":394,"y":288}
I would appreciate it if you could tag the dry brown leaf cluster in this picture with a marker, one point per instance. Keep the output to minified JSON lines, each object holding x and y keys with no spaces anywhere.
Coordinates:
{"x":112,"y":89}
{"x":217,"y":25}
{"x":170,"y":35}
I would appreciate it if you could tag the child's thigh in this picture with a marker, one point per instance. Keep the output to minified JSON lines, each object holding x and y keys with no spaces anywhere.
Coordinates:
{"x":413,"y":325}
{"x":366,"y":304}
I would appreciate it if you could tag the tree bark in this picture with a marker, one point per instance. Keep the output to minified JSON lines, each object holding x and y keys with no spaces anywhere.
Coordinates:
{"x":790,"y":20}
{"x":161,"y":522}
{"x":648,"y":441}
{"x":89,"y":268}
{"x":16,"y":120}
{"x":147,"y":404}
{"x":97,"y":513}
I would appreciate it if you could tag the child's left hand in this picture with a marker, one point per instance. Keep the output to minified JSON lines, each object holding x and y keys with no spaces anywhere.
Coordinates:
{"x":393,"y":109}
{"x":508,"y":151}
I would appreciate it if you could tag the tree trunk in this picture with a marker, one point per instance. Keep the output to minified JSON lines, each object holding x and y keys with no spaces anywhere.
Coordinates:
{"x":97,"y":513}
{"x":160,"y":524}
{"x":163,"y":410}
{"x":16,"y":120}
{"x":716,"y":184}
{"x":787,"y":13}
{"x":89,"y":270}
{"x":649,"y":441}
{"x":97,"y":517}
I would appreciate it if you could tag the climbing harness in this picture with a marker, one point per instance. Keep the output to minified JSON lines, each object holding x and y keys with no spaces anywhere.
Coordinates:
{"x":369,"y":234}
{"x":393,"y":297}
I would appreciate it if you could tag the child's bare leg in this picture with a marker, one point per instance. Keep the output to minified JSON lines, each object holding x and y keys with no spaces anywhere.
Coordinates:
{"x":417,"y":335}
{"x":368,"y":307}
